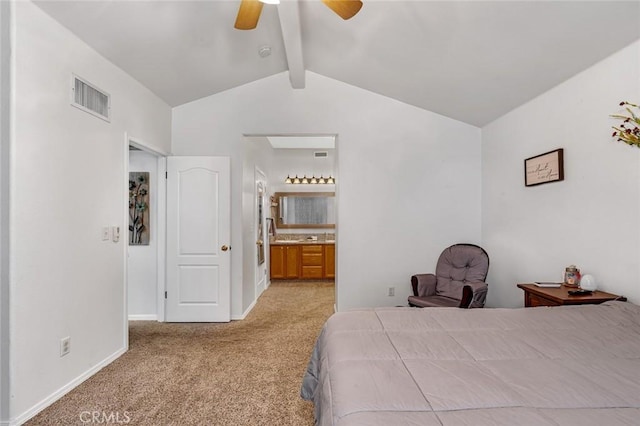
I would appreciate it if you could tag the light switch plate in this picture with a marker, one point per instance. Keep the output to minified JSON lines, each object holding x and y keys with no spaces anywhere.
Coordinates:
{"x":106,"y":233}
{"x":115,"y":233}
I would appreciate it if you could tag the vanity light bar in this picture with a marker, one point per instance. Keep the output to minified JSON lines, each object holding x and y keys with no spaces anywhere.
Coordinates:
{"x":312,"y":180}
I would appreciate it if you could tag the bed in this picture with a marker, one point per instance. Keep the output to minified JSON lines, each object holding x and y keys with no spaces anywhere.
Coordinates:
{"x":566,"y":365}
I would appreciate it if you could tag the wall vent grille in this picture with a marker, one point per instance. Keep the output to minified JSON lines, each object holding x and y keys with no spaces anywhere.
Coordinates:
{"x":321,"y":154}
{"x":89,"y":98}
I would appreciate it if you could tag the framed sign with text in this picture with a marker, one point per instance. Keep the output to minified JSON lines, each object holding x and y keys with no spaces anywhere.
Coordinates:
{"x":544,"y":168}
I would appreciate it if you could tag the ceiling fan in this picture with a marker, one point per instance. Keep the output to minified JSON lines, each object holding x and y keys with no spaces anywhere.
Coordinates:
{"x":249,"y":11}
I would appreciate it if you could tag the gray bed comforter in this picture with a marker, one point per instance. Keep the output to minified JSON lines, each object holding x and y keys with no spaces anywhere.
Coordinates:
{"x":573,"y":365}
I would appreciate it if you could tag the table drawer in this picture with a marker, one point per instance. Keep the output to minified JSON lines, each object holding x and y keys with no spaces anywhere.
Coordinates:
{"x":535,"y":300}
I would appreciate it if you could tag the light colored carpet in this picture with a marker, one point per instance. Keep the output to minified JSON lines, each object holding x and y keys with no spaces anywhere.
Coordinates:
{"x":242,"y":373}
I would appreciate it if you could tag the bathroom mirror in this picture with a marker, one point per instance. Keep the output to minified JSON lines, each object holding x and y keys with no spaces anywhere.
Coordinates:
{"x":305,"y":209}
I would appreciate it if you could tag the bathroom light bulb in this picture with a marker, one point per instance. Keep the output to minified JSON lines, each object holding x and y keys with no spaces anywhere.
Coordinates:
{"x":288,"y":179}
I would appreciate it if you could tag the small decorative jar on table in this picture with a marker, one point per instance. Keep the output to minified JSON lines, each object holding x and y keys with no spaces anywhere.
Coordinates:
{"x":572,"y":276}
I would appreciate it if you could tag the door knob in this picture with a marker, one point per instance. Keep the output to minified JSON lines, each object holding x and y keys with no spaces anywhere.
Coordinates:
{"x":225,"y":248}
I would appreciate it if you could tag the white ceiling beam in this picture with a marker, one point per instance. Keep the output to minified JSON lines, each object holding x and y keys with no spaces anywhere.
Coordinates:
{"x":289,"y":14}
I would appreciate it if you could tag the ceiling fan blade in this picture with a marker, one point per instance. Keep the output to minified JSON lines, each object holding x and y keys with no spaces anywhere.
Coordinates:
{"x":248,"y":14}
{"x":345,"y":8}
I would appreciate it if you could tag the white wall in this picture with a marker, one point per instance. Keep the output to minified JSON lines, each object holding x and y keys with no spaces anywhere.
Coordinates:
{"x":257,"y":154}
{"x":591,"y":218}
{"x":301,"y":162}
{"x":291,"y":162}
{"x":409,"y":180}
{"x":5,"y":134}
{"x":142,"y":268}
{"x":68,"y":181}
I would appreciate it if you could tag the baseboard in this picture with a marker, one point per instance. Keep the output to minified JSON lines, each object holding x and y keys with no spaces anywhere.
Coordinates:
{"x":22,"y":418}
{"x":245,"y":313}
{"x":149,"y":317}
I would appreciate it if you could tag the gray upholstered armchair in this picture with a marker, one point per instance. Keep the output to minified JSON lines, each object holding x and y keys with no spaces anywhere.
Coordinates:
{"x":459,"y":279}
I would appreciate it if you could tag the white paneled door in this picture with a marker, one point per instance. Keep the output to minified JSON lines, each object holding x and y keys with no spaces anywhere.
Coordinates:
{"x":198,"y":239}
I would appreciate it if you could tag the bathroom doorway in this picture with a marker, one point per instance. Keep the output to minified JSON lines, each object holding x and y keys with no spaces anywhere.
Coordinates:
{"x":279,"y":157}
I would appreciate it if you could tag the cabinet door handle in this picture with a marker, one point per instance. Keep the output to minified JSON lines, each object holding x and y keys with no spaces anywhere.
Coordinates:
{"x":225,"y":248}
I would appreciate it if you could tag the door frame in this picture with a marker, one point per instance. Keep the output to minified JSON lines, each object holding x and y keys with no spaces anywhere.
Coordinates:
{"x":161,"y":224}
{"x":336,"y":169}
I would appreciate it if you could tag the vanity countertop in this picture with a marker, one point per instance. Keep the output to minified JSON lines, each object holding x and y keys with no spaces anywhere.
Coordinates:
{"x":300,"y":242}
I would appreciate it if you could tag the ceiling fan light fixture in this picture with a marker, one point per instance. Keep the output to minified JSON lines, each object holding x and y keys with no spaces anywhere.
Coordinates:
{"x":346,"y":9}
{"x":249,"y":11}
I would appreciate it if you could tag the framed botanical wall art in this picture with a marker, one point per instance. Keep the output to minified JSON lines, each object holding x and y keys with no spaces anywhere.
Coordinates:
{"x":544,"y":168}
{"x":139,"y":209}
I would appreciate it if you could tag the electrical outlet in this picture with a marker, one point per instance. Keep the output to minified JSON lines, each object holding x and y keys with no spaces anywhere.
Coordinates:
{"x":392,"y":291}
{"x":65,"y":346}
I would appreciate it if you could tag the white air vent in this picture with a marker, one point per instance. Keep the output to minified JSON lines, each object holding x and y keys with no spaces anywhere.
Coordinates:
{"x":320,"y":154}
{"x":89,"y":98}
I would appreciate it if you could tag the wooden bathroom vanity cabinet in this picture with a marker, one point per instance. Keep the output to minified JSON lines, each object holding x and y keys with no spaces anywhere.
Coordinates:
{"x":302,"y":261}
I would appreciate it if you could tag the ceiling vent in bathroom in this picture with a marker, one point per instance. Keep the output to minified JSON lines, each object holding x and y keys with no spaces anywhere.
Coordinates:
{"x":89,"y":98}
{"x":321,"y":154}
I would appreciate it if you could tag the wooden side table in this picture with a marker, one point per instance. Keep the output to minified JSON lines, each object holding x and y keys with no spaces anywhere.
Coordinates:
{"x":550,"y":296}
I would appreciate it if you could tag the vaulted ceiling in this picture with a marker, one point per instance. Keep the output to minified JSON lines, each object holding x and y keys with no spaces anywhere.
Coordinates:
{"x":469,"y":60}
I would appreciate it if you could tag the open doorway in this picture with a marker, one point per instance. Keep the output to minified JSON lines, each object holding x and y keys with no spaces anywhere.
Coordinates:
{"x":184,"y":246}
{"x":279,"y":157}
{"x":144,"y":233}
